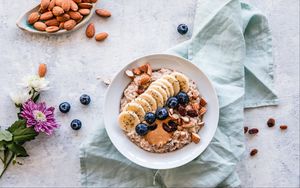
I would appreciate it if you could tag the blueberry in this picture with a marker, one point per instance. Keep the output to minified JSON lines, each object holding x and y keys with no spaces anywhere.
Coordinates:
{"x":183,"y":98}
{"x":76,"y":124}
{"x":172,"y":102}
{"x":64,"y":107}
{"x":141,"y":129}
{"x":150,"y":117}
{"x":85,"y":99}
{"x":182,"y":29}
{"x":161,"y":113}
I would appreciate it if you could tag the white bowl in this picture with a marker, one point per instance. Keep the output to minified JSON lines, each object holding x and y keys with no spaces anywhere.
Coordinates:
{"x":160,"y":160}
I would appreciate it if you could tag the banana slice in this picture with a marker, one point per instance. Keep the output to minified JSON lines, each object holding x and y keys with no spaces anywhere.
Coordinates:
{"x":128,"y":120}
{"x":146,"y":106}
{"x":160,"y":84}
{"x":157,"y":96}
{"x":172,"y":80}
{"x":168,"y":85}
{"x":151,"y":101}
{"x":136,"y":108}
{"x":160,"y":90}
{"x":183,"y":81}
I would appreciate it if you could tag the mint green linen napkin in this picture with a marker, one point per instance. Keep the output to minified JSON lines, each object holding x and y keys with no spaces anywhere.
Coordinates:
{"x":231,"y":43}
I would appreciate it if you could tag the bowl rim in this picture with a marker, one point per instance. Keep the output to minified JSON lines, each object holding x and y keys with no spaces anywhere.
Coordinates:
{"x":179,"y":163}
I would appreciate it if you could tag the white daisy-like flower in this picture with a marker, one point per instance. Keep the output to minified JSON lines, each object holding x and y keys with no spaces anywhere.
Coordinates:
{"x":35,"y":82}
{"x":19,"y":97}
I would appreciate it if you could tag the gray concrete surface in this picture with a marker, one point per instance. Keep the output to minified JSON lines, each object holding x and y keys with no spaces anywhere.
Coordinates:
{"x":138,"y":28}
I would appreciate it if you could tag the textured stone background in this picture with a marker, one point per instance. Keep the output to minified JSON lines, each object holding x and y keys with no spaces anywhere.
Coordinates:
{"x":138,"y":28}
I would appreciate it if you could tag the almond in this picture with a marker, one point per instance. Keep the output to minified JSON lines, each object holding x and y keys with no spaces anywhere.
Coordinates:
{"x":195,"y":138}
{"x":58,"y":2}
{"x":203,"y":101}
{"x":40,"y":26}
{"x":46,"y":16}
{"x":52,"y":22}
{"x":90,"y":30}
{"x":101,"y":36}
{"x":81,"y":18}
{"x":52,"y":29}
{"x":129,"y":73}
{"x":202,"y":111}
{"x":51,"y":5}
{"x":63,"y":18}
{"x":137,"y":71}
{"x":42,"y":70}
{"x":69,"y":25}
{"x":33,"y":17}
{"x":84,"y":11}
{"x":74,"y":6}
{"x":44,"y":4}
{"x":85,"y":5}
{"x":196,"y":106}
{"x":144,"y":68}
{"x":75,"y":15}
{"x":253,"y":131}
{"x":149,"y":69}
{"x":103,"y":13}
{"x":77,"y":1}
{"x":253,"y":152}
{"x":144,"y":79}
{"x":185,"y":119}
{"x":66,"y":5}
{"x":61,"y":25}
{"x":57,"y":11}
{"x":41,"y":11}
{"x":283,"y":127}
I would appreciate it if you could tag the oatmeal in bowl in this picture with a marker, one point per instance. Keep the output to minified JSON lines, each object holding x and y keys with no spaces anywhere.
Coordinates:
{"x":161,"y":110}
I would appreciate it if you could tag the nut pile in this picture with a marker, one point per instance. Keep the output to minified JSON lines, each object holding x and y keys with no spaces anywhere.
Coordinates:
{"x":54,"y":15}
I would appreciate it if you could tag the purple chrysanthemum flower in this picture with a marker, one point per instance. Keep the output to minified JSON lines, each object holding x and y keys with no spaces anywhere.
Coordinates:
{"x":39,"y":117}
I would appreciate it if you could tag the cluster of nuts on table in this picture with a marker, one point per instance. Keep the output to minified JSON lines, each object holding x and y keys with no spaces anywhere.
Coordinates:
{"x":55,"y":15}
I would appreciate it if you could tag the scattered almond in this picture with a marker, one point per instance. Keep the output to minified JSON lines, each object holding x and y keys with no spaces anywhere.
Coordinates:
{"x":253,"y":131}
{"x":40,"y":26}
{"x":283,"y":127}
{"x":58,"y":2}
{"x":90,"y":30}
{"x":129,"y":73}
{"x":144,"y":68}
{"x":33,"y":17}
{"x":253,"y":152}
{"x":103,"y":13}
{"x":46,"y":16}
{"x":63,"y":18}
{"x":271,"y":122}
{"x":75,"y":15}
{"x":107,"y":82}
{"x":52,"y":22}
{"x":69,"y":25}
{"x":52,"y":29}
{"x":145,"y":78}
{"x":51,"y":5}
{"x":195,"y":138}
{"x":74,"y":6}
{"x":101,"y":36}
{"x":202,"y":111}
{"x":42,"y":70}
{"x":84,"y":11}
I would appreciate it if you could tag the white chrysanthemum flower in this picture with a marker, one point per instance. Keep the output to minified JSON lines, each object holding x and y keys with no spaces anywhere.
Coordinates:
{"x":35,"y":82}
{"x":19,"y":97}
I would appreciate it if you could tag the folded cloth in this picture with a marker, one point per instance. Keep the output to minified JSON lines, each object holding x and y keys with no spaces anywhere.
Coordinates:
{"x":231,"y":43}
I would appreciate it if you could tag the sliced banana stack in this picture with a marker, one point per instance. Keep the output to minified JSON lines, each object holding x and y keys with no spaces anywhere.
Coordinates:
{"x":151,"y":101}
{"x":146,"y":106}
{"x":157,"y":96}
{"x":136,"y":108}
{"x":161,"y":91}
{"x":128,"y":120}
{"x":172,"y":80}
{"x":183,"y":81}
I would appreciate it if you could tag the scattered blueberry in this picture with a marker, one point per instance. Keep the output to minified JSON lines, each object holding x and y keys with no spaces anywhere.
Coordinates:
{"x":172,"y":102}
{"x":76,"y":124}
{"x":183,"y":98}
{"x":162,"y":113}
{"x":150,"y":117}
{"x":64,"y":107}
{"x":182,"y":29}
{"x":152,"y":127}
{"x":141,"y":129}
{"x":85,"y":99}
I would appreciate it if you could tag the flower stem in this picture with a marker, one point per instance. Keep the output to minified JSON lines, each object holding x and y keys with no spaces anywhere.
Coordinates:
{"x":6,"y":165}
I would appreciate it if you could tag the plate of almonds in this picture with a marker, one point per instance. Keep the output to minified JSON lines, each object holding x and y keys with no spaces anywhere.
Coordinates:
{"x":53,"y":17}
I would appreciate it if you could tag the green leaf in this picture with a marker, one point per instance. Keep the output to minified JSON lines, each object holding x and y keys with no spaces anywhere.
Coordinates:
{"x":21,"y":133}
{"x":36,"y":98}
{"x":5,"y":135}
{"x":17,"y":149}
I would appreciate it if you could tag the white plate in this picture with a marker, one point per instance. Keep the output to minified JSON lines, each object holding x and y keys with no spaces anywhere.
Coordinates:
{"x":160,"y":160}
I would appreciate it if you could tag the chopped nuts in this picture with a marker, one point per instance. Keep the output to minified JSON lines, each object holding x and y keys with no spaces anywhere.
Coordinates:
{"x":137,"y":71}
{"x":195,"y":138}
{"x":203,"y":101}
{"x":145,"y":78}
{"x":185,"y":119}
{"x":202,"y":111}
{"x":129,"y":73}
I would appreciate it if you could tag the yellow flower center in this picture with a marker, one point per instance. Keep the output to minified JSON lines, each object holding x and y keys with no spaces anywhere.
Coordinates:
{"x":39,"y":116}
